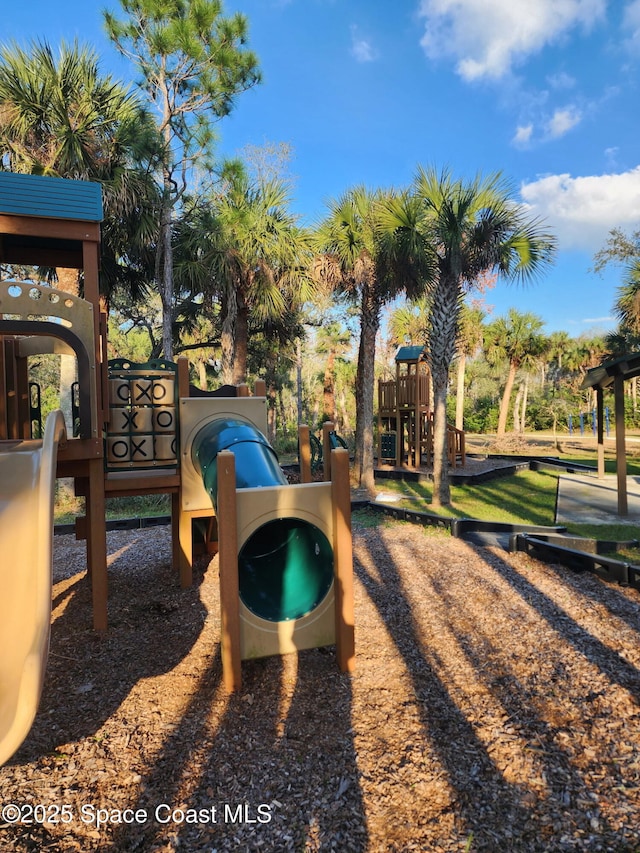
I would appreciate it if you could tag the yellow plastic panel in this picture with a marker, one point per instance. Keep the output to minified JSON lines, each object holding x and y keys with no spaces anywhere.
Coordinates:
{"x":197,"y":412}
{"x":310,"y":502}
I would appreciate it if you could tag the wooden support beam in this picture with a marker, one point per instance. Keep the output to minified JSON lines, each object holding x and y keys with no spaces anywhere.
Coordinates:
{"x":97,"y":543}
{"x":343,"y":560}
{"x":600,"y":422}
{"x":228,"y":562}
{"x":183,"y":376}
{"x":621,"y":451}
{"x":11,"y":390}
{"x":327,"y":428}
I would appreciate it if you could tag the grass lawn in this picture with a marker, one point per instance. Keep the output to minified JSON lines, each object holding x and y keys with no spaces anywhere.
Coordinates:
{"x":528,"y":497}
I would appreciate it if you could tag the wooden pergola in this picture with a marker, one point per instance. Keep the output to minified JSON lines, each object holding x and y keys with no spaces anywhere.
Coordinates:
{"x":615,"y":373}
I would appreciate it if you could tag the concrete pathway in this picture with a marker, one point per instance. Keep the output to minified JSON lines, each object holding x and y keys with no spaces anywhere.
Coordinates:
{"x":585,"y":499}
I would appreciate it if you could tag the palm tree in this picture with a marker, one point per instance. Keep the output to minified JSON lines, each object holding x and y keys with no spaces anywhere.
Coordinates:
{"x":367,"y":242}
{"x":410,"y":322}
{"x":515,"y":339}
{"x":262,"y":260}
{"x":475,"y":228}
{"x":60,"y":116}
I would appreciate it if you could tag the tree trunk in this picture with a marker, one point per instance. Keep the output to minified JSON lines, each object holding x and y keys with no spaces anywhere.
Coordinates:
{"x":525,"y":398}
{"x":242,"y":342}
{"x":202,"y":373}
{"x":166,"y":288}
{"x":345,"y":423}
{"x":328,"y":390}
{"x":228,"y":334}
{"x":299,"y":379}
{"x":365,"y":379}
{"x":462,"y":362}
{"x":441,"y":486}
{"x":443,"y":333}
{"x":506,"y":399}
{"x":271,"y":414}
{"x":516,"y":411}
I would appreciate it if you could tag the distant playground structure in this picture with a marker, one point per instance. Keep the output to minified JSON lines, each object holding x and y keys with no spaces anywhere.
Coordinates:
{"x":285,"y":550}
{"x":406,"y":415}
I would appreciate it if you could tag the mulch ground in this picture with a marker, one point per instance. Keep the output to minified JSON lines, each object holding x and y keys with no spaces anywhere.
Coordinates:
{"x":494,"y":707}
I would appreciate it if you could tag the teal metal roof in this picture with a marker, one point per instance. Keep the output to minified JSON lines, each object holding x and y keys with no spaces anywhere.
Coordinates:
{"x":414,"y":353}
{"x":55,"y":198}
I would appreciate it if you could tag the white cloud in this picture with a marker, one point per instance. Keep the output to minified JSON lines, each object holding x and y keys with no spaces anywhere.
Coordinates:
{"x":487,"y":37}
{"x":611,"y":156}
{"x":561,"y":80}
{"x":581,"y":211}
{"x":361,"y":48}
{"x":523,"y":135}
{"x":631,"y":25}
{"x":631,"y":17}
{"x":562,"y":121}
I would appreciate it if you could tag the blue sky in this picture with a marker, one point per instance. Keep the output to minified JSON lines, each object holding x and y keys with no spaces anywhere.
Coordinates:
{"x":365,"y":90}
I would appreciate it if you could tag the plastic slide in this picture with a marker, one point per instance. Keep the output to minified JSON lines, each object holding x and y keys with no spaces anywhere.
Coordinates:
{"x":27,"y":481}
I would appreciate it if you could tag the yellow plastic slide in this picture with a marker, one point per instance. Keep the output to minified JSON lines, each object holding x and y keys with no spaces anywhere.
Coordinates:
{"x":27,"y":485}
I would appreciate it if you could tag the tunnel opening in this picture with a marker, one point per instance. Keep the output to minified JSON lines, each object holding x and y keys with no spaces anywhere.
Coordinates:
{"x":285,"y":569}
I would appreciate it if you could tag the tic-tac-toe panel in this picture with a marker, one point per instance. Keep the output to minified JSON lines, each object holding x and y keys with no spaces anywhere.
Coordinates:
{"x":142,"y":430}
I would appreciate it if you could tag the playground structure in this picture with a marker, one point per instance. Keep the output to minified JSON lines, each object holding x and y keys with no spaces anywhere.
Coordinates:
{"x":405,"y":436}
{"x":285,"y":551}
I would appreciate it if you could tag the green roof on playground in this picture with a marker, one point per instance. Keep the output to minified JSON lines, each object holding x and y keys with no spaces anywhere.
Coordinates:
{"x":55,"y":198}
{"x":412,"y":353}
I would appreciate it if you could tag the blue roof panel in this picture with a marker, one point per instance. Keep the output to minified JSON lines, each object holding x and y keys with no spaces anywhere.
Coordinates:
{"x":54,"y":198}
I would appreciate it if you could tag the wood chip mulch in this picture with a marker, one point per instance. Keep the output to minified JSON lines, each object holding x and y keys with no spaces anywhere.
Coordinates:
{"x":494,"y":707}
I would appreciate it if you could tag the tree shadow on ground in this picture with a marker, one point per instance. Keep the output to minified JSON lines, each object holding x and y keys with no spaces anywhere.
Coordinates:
{"x":235,"y":760}
{"x":610,"y":663}
{"x":490,"y":800}
{"x":89,"y":674}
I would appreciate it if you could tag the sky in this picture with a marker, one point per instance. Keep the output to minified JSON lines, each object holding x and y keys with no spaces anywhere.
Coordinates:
{"x":365,"y":91}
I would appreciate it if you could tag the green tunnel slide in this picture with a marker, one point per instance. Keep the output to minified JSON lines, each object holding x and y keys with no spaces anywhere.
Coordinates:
{"x":285,"y":568}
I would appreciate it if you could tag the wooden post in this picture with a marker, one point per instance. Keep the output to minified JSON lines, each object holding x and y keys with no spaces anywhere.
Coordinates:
{"x":600,"y":419}
{"x":11,"y":390}
{"x":4,"y":421}
{"x":90,"y":266}
{"x":102,"y":366}
{"x":97,"y":542}
{"x":185,"y":547}
{"x":242,"y":390}
{"x":343,"y":560}
{"x":228,"y":556}
{"x":415,"y":403}
{"x":183,"y":376}
{"x":621,"y":452}
{"x":327,"y":428}
{"x":304,"y":453}
{"x":260,"y":388}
